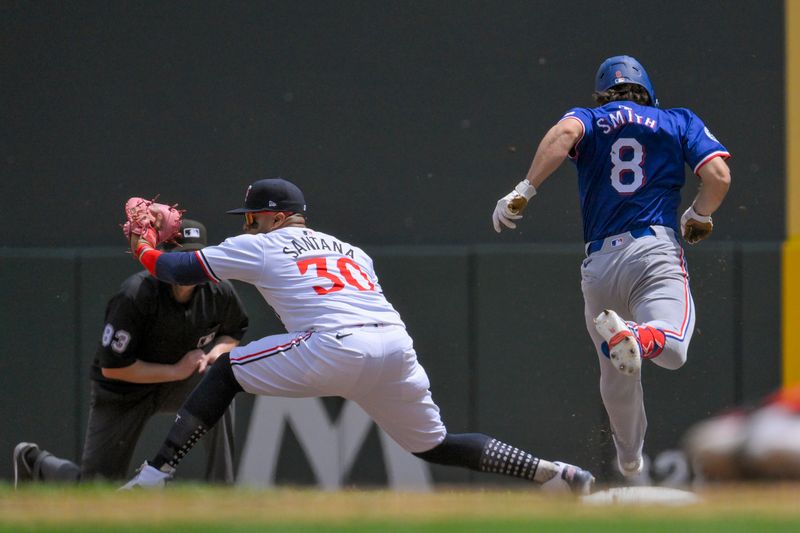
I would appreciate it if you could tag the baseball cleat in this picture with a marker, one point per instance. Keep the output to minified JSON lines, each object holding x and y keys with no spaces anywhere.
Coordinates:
{"x":23,"y":471}
{"x":623,"y":348}
{"x":570,"y":478}
{"x":148,"y":477}
{"x":631,"y":469}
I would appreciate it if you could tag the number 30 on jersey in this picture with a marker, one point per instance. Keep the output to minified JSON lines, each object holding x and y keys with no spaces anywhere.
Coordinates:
{"x":345,"y":268}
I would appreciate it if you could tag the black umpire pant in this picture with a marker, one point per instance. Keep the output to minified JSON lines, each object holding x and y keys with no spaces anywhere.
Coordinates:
{"x":116,"y":422}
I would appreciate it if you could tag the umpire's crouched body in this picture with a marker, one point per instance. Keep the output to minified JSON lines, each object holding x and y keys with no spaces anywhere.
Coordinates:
{"x":156,"y":341}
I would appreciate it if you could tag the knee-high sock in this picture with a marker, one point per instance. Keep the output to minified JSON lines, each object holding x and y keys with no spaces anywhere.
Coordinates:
{"x":485,"y":454}
{"x":199,"y":412}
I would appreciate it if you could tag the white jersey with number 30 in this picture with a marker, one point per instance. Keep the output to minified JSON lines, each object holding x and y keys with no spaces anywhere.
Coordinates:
{"x":312,"y":280}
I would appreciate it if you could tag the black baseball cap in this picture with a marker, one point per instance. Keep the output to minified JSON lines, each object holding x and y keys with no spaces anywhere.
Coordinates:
{"x":192,"y":237}
{"x":274,"y":194}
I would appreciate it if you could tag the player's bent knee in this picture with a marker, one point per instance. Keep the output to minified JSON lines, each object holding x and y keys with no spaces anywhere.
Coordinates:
{"x":209,"y":400}
{"x":223,"y":371}
{"x":672,"y":358}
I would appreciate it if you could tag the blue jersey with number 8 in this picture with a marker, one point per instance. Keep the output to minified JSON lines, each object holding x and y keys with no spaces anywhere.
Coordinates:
{"x":631,"y":161}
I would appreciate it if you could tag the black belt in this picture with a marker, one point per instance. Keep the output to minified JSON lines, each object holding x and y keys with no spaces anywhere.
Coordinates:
{"x":595,"y":246}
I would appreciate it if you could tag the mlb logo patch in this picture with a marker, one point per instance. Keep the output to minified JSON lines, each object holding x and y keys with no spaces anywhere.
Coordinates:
{"x":618,"y":241}
{"x":191,"y":233}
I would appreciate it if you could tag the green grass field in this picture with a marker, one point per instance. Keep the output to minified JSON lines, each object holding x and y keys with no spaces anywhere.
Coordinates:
{"x":184,"y":508}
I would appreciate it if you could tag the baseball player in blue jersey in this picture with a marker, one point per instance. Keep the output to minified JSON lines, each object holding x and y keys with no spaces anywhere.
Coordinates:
{"x":630,"y":156}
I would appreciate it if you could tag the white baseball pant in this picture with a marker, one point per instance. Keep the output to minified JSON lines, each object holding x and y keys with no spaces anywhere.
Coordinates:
{"x":373,"y":365}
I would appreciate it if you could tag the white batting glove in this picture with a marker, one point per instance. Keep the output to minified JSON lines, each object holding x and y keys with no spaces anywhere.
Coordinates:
{"x":695,"y":227}
{"x":510,"y":206}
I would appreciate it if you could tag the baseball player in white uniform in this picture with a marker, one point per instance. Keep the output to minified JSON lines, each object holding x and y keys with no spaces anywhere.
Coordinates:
{"x":344,"y":339}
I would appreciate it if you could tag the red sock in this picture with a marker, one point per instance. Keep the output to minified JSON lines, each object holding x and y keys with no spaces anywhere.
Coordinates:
{"x":651,"y":340}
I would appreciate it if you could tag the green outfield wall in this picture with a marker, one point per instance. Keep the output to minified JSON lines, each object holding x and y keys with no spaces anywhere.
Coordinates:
{"x":403,"y":122}
{"x":499,"y":328}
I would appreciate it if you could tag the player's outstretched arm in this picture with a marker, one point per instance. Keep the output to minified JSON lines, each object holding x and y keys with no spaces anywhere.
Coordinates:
{"x":552,"y":150}
{"x":696,"y":222}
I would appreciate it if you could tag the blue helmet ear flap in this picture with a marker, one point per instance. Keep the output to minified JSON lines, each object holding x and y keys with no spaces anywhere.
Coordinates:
{"x":623,"y":69}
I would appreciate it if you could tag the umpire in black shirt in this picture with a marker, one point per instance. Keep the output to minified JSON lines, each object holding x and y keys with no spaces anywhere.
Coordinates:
{"x":157,"y":341}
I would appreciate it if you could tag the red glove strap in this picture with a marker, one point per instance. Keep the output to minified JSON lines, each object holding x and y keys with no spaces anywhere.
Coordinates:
{"x":147,"y":256}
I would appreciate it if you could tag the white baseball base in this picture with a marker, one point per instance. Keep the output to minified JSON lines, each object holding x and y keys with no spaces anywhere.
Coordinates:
{"x":641,"y":495}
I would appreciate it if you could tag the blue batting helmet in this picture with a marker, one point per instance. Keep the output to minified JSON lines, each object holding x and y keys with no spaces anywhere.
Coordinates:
{"x":623,"y":69}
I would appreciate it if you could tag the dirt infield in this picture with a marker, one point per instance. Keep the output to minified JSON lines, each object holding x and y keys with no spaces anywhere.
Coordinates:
{"x":196,"y":507}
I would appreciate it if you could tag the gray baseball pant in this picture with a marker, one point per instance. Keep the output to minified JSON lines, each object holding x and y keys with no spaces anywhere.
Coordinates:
{"x":644,"y":280}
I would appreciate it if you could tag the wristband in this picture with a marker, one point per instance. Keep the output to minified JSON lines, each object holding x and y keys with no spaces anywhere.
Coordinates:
{"x":524,"y":188}
{"x":691,"y":213}
{"x":147,"y":256}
